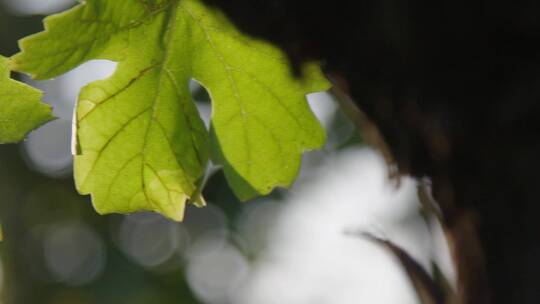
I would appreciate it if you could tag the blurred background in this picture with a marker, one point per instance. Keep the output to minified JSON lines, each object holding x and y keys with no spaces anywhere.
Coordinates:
{"x":294,"y":246}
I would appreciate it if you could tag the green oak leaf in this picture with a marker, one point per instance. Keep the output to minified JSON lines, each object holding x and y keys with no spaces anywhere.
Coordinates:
{"x":141,"y":144}
{"x":20,"y":108}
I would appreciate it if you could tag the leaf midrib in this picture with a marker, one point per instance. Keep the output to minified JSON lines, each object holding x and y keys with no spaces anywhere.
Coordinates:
{"x":171,"y":29}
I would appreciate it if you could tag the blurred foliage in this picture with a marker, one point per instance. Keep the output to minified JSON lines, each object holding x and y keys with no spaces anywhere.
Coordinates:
{"x":30,"y":204}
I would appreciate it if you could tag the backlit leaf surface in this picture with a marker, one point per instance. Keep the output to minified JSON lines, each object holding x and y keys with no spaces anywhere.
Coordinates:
{"x":21,"y":109}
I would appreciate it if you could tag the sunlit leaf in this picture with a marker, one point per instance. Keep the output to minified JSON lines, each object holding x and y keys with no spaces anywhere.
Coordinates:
{"x":141,"y":144}
{"x":20,"y":108}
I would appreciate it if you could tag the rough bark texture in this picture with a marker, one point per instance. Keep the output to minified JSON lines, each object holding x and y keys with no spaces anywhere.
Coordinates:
{"x":454,"y":88}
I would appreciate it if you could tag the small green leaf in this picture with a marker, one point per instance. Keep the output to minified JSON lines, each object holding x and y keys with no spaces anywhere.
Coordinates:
{"x":20,"y":108}
{"x":141,"y":144}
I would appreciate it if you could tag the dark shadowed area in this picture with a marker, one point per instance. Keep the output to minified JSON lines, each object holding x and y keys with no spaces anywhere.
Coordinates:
{"x":454,"y":88}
